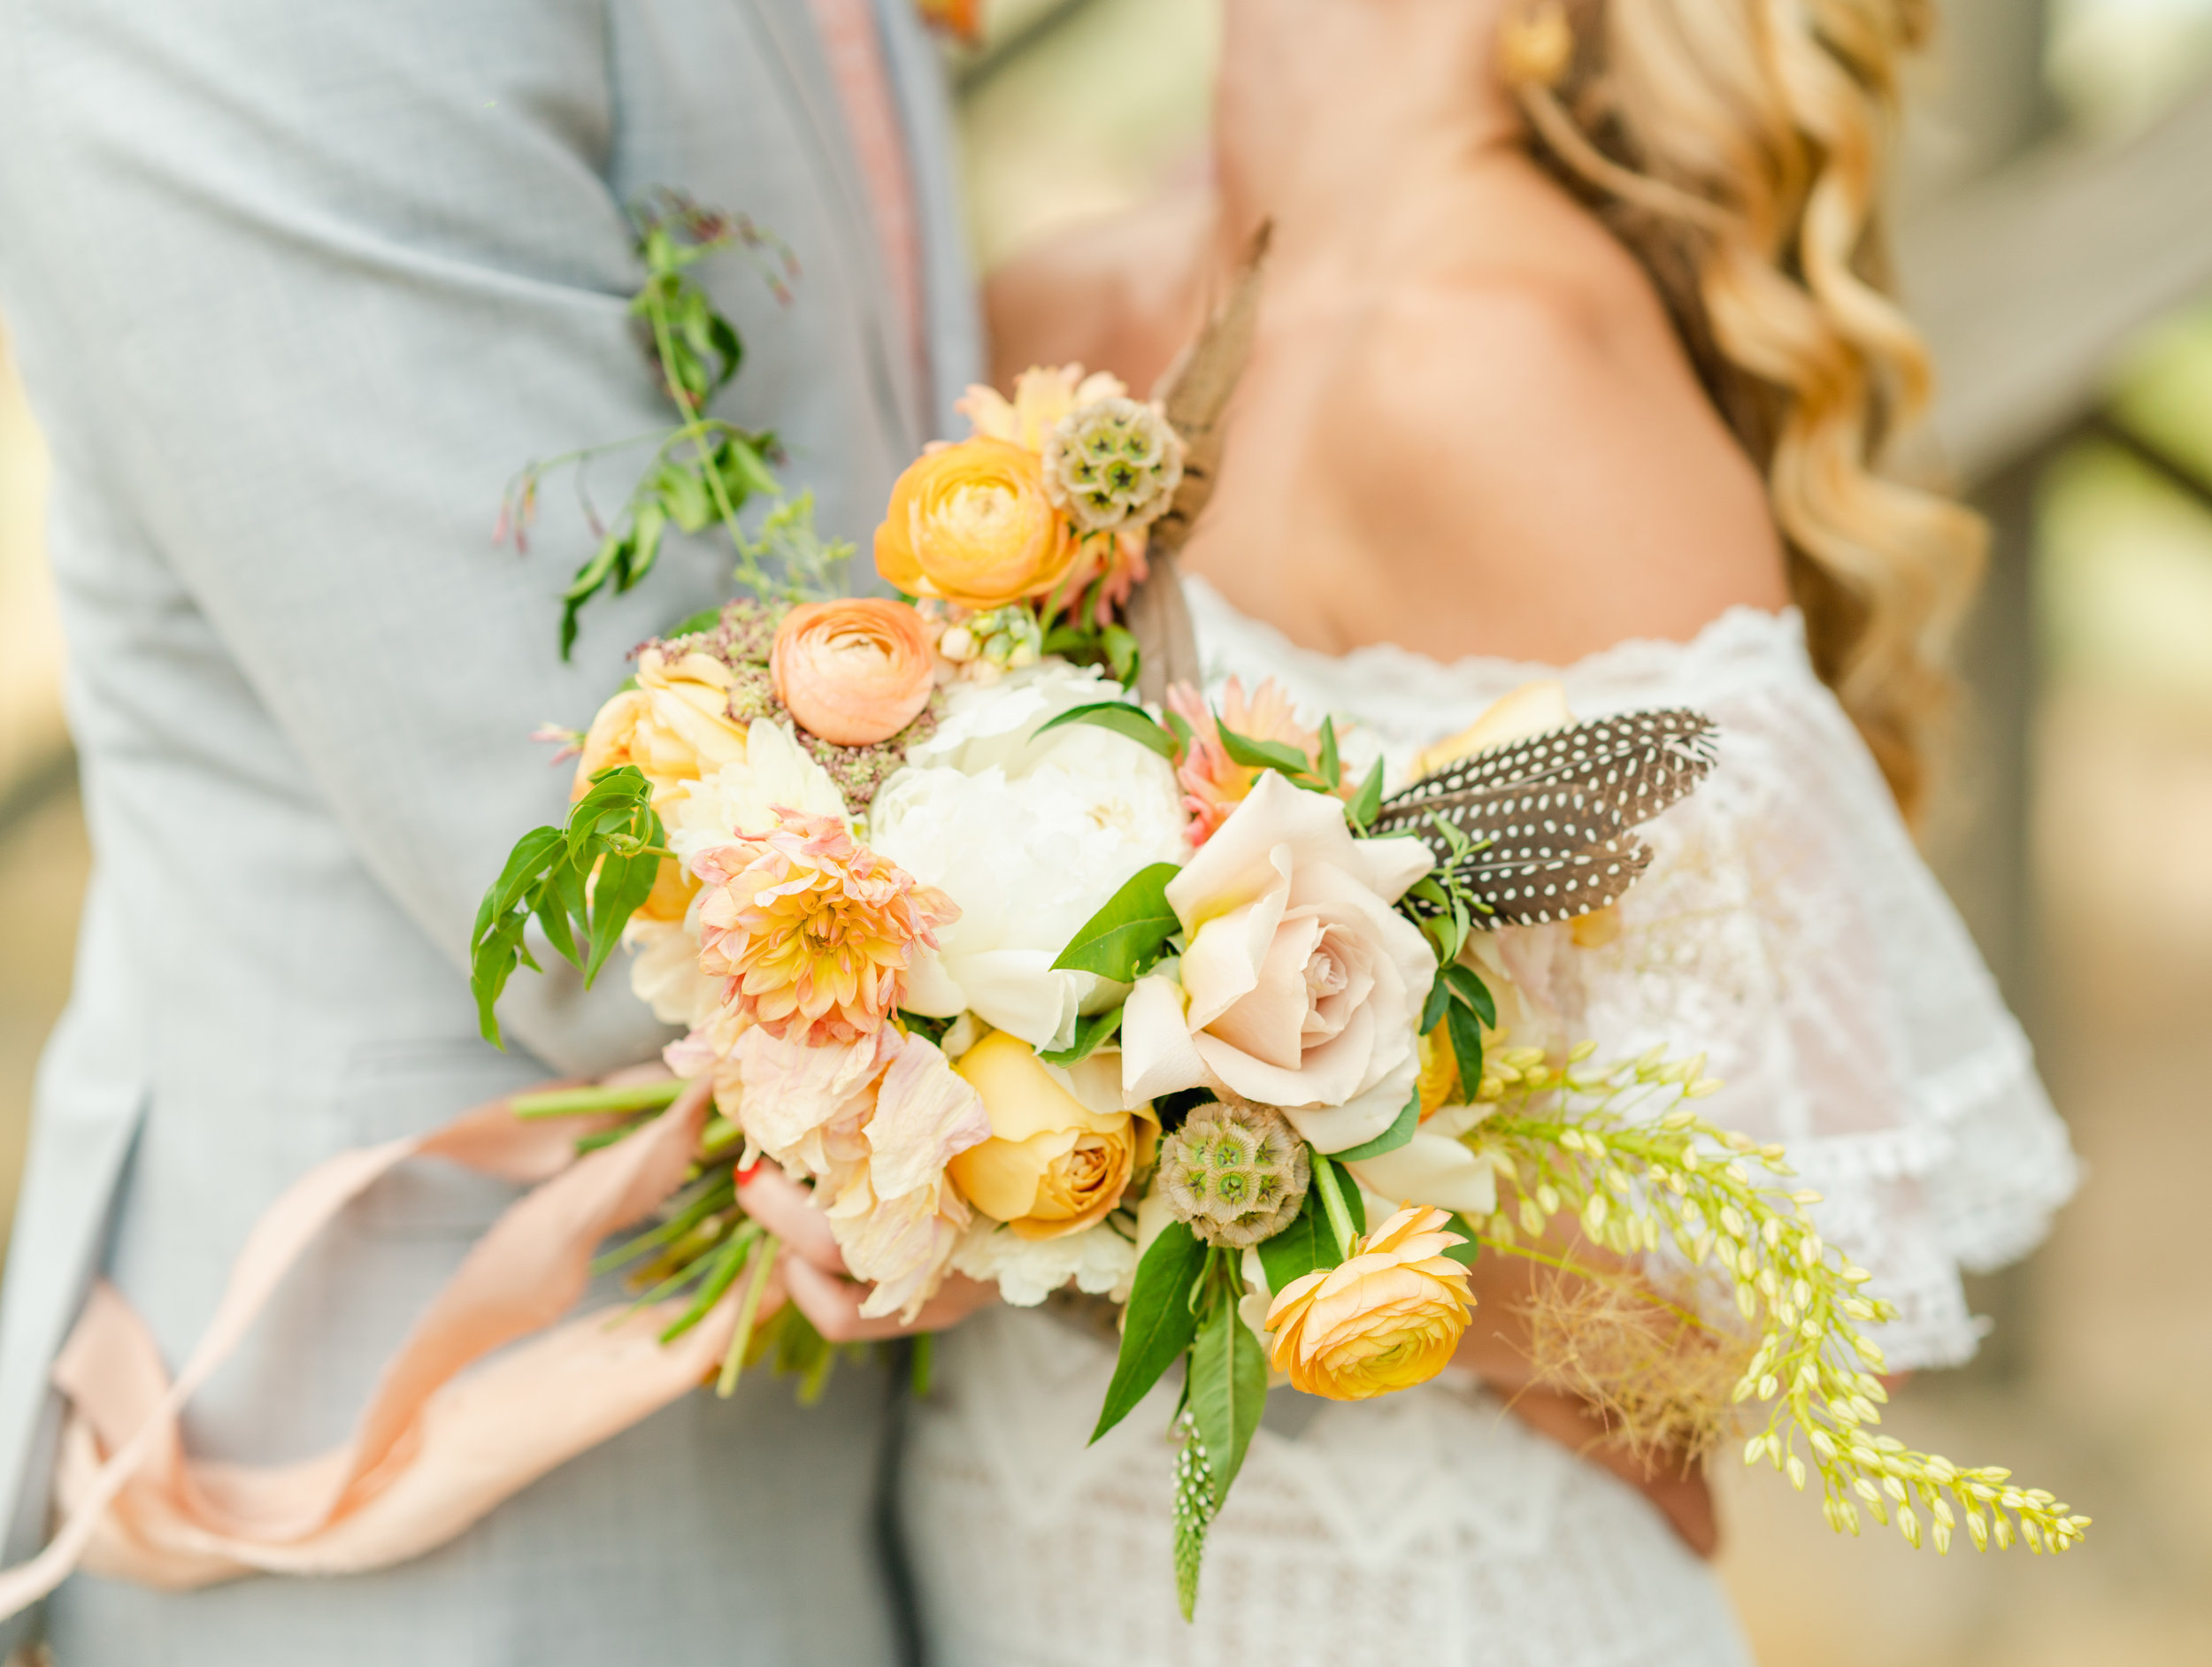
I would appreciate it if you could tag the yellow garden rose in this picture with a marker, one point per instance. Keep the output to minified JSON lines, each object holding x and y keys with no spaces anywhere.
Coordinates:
{"x":674,"y":724}
{"x":970,"y":523}
{"x":1387,"y":1318}
{"x":1052,"y":1166}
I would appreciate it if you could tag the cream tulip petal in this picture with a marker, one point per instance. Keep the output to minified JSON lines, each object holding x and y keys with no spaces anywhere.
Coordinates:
{"x":1157,"y":1055}
{"x":1432,"y":1169}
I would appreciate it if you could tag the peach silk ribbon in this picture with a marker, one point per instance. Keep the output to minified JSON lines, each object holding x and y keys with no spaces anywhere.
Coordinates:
{"x":434,"y":1450}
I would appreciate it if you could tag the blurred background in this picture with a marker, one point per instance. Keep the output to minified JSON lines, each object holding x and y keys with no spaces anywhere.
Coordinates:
{"x":2057,"y":242}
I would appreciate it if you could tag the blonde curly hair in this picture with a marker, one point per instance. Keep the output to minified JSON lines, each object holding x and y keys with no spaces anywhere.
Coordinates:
{"x":1737,"y":148}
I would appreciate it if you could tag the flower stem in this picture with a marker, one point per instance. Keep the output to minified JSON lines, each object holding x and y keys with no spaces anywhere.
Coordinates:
{"x":576,"y":1103}
{"x":1333,"y":1203}
{"x":761,"y":1260}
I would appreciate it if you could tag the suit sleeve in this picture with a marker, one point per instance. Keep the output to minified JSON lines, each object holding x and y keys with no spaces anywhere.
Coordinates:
{"x":328,"y":276}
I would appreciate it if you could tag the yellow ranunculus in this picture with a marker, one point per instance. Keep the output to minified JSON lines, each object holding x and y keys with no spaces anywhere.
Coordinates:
{"x":1052,"y":1166}
{"x":1389,"y":1318}
{"x":970,"y":523}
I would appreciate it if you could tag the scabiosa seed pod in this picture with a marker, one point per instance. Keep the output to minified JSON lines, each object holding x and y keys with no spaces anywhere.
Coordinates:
{"x":1112,"y":464}
{"x":1236,"y":1171}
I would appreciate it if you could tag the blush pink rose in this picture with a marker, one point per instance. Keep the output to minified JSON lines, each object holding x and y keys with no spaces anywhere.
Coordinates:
{"x":1299,"y":985}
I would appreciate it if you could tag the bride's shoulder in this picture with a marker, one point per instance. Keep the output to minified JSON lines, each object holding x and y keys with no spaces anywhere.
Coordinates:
{"x":1519,"y":422}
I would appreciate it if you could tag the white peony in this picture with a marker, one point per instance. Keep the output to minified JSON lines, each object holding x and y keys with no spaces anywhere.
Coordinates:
{"x":1031,"y":837}
{"x":1027,"y":1270}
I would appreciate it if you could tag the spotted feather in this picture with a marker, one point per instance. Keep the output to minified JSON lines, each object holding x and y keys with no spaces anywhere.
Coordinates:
{"x":1551,"y":817}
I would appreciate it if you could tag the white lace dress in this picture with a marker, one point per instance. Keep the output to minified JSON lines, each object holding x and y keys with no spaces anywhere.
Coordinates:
{"x":1787,"y":927}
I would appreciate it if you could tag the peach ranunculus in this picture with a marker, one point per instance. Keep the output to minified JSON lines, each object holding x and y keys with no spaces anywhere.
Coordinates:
{"x":1299,"y":987}
{"x":812,"y":932}
{"x":855,"y":672}
{"x":1213,"y":783}
{"x":873,"y":1122}
{"x":1052,"y":1164}
{"x":1387,"y":1318}
{"x":675,"y":725}
{"x":970,"y":523}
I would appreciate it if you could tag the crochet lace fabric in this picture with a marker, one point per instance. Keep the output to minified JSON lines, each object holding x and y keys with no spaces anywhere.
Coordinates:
{"x":1788,"y":928}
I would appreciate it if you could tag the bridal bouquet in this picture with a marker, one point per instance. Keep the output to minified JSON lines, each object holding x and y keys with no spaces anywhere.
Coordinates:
{"x":1176,"y":1004}
{"x":1040,"y":968}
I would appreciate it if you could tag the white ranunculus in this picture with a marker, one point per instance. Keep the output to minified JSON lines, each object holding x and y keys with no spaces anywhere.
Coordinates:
{"x":1029,"y":836}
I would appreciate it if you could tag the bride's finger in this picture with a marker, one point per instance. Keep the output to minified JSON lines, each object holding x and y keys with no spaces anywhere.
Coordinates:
{"x":786,"y":1209}
{"x":832,"y":1306}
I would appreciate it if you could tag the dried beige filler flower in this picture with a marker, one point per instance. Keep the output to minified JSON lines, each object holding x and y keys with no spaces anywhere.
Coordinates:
{"x":1660,"y":1377}
{"x":1236,"y":1171}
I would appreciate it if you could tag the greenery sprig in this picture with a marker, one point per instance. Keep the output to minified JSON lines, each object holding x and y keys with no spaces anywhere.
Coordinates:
{"x":1619,"y":1149}
{"x":702,"y":471}
{"x":581,"y":882}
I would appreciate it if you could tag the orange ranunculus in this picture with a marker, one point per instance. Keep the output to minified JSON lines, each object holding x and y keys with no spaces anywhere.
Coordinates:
{"x":1389,"y":1318}
{"x":971,"y":523}
{"x":854,"y":672}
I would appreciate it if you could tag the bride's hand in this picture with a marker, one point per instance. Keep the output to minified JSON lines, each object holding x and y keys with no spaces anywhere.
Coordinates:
{"x":814,"y":1275}
{"x":1497,"y":1347}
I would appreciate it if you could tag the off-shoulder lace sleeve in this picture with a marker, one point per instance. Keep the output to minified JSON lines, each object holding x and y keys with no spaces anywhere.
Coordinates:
{"x":1786,"y":927}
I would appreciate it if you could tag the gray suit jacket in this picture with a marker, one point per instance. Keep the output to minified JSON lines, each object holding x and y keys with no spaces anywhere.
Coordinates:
{"x":296,"y":288}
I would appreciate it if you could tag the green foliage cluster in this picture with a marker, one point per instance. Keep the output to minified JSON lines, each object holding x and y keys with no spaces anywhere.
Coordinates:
{"x":702,"y":471}
{"x":580,"y":883}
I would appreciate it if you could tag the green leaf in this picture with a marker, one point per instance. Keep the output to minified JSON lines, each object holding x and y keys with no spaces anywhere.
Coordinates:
{"x":684,"y":495}
{"x":1299,"y":1249}
{"x":1465,"y":1031}
{"x":1090,"y":1033}
{"x":1125,"y":937}
{"x":1122,"y":654}
{"x":1158,"y":1324}
{"x":1468,"y":986}
{"x":1331,"y":766}
{"x":1184,"y":735}
{"x":623,"y":885}
{"x":1122,"y":718}
{"x":1465,"y":1254}
{"x":645,"y":544}
{"x":1390,"y":1139}
{"x":1433,"y":1009}
{"x":705,"y":619}
{"x":1228,"y":1387}
{"x":744,"y":472}
{"x":1367,"y":803}
{"x":1263,"y":755}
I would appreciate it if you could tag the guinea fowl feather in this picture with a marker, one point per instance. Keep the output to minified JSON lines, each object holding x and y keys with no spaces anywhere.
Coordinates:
{"x":1546,"y":823}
